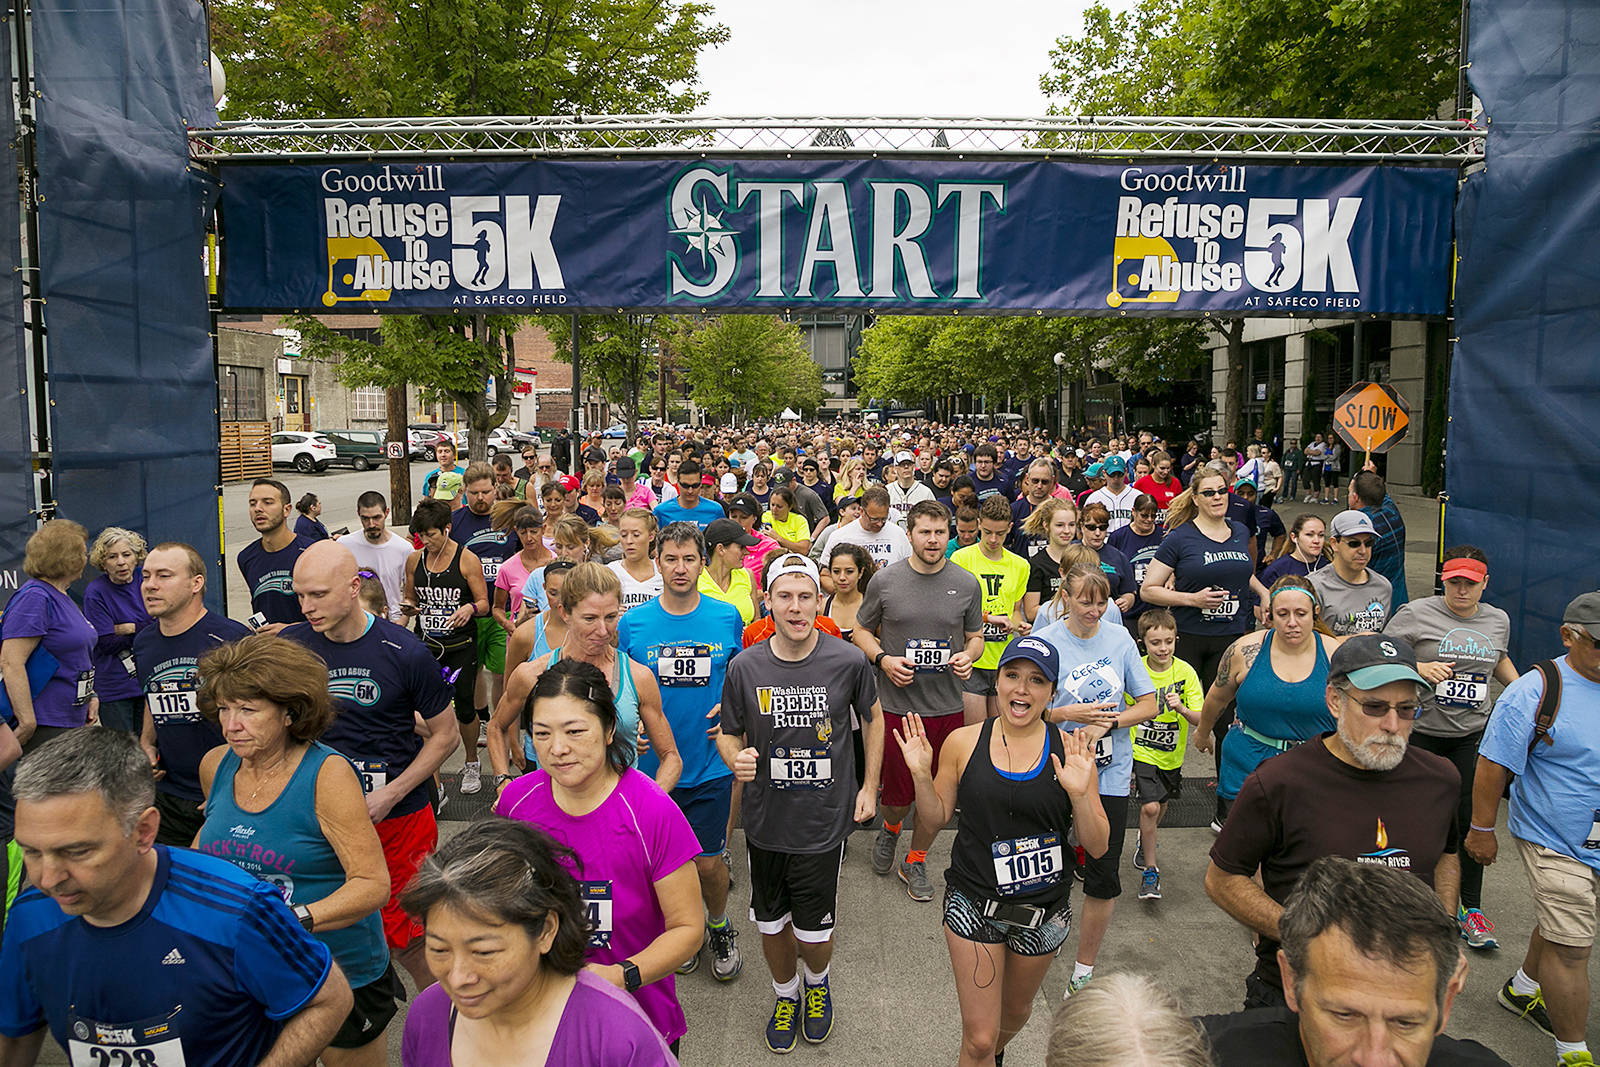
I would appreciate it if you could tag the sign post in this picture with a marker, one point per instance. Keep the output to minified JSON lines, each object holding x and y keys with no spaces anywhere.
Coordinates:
{"x":1371,"y":417}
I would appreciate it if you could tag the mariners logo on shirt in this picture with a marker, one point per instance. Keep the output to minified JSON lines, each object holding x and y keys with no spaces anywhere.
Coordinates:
{"x":1383,"y":855}
{"x":354,"y":685}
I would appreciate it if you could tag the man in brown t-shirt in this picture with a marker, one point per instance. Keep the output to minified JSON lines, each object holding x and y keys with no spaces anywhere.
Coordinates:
{"x":1359,"y":792}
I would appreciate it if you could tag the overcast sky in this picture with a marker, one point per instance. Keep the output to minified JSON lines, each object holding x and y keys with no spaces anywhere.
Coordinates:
{"x":870,"y":57}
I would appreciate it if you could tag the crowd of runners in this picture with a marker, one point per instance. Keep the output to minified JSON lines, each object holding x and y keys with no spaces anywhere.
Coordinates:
{"x":793,"y":634}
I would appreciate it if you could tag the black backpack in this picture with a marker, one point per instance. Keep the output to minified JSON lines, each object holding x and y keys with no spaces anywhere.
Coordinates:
{"x":1544,"y":716}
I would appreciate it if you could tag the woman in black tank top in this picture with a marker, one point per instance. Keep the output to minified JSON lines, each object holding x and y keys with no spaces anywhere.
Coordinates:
{"x":1020,"y":785}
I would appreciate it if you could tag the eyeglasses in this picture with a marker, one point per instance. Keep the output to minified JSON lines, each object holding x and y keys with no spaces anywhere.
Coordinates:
{"x":1211,"y":492}
{"x":1377,"y":709}
{"x":544,"y":467}
{"x":1359,"y":542}
{"x":1093,"y":525}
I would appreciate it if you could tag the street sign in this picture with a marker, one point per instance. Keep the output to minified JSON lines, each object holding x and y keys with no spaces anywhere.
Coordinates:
{"x":394,"y":449}
{"x":1371,"y":417}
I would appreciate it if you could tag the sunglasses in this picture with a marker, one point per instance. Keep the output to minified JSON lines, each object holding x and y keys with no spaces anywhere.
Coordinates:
{"x":1377,"y":709}
{"x":1359,"y":542}
{"x":1211,"y":492}
{"x":1093,"y":525}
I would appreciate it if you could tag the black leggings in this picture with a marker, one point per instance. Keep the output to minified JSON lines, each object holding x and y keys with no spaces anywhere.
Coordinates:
{"x":1463,"y":752}
{"x":1204,"y":653}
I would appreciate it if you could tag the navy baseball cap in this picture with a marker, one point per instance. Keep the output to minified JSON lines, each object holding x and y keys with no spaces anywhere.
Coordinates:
{"x":1373,"y":660}
{"x":1041,"y":654}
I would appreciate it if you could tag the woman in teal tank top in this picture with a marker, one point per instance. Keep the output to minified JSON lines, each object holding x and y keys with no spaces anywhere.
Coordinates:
{"x":1278,"y":679}
{"x":290,"y":810}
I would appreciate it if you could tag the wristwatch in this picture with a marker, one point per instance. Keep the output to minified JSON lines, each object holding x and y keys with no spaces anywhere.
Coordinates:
{"x":502,"y":779}
{"x":877,"y":661}
{"x":630,"y":976}
{"x":303,"y":913}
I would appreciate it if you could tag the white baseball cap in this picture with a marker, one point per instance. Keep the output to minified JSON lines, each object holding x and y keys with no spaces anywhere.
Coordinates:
{"x":793,"y":563}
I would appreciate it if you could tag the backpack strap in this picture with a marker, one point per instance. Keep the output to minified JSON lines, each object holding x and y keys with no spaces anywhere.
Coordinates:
{"x":1544,"y":716}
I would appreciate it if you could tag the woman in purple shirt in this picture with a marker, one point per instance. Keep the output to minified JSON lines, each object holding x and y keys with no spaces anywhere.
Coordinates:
{"x":114,"y":606}
{"x":41,"y":618}
{"x":507,"y":931}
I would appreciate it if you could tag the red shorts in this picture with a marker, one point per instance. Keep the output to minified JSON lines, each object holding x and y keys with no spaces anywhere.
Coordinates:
{"x":407,"y":840}
{"x":898,"y":790}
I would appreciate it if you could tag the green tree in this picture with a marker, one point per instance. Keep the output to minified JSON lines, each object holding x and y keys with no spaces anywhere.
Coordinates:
{"x":618,"y":354}
{"x":746,"y":365}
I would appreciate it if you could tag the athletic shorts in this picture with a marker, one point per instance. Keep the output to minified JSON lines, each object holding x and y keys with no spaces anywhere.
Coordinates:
{"x":706,"y":806}
{"x":898,"y":790}
{"x":963,"y":916}
{"x":461,"y":661}
{"x":376,"y":1003}
{"x":1565,"y":894}
{"x":180,"y":820}
{"x":981,"y":682}
{"x":1101,"y":879}
{"x":407,"y":840}
{"x":1155,"y":785}
{"x":792,"y":889}
{"x":491,"y":645}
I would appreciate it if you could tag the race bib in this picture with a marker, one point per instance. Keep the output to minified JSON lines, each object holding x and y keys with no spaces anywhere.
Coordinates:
{"x":995,"y":631}
{"x":597,"y":909}
{"x":177,"y":705}
{"x":373,"y":775}
{"x":1158,"y":736}
{"x":1138,"y":571}
{"x":1023,"y":864}
{"x":927,"y":654}
{"x":491,"y":570}
{"x":680,"y":665}
{"x":153,"y":1043}
{"x":1462,"y":691}
{"x":1102,"y":752}
{"x":800,"y":768}
{"x":128,"y":665}
{"x":1593,"y":840}
{"x":436,"y":620}
{"x":85,"y":688}
{"x":1223,"y":612}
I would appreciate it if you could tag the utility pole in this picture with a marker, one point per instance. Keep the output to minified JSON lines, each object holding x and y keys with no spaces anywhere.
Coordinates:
{"x":399,"y":469}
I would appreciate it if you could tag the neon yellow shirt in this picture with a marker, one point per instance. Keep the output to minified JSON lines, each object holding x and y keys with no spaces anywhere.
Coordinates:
{"x":1004,"y":583}
{"x":1161,"y":741}
{"x":795,"y":528}
{"x":738,"y":592}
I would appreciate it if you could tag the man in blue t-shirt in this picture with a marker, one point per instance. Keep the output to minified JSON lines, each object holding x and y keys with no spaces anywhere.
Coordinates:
{"x":268,"y":563}
{"x":381,"y":677}
{"x":689,"y":505}
{"x":134,"y":953}
{"x":987,"y":478}
{"x":687,"y":640}
{"x":1555,"y":822}
{"x":166,"y":657}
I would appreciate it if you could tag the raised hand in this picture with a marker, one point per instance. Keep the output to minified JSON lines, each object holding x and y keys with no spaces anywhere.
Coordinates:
{"x":1075,"y":768}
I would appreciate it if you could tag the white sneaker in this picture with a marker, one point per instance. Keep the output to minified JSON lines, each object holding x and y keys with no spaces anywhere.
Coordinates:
{"x":483,"y":733}
{"x":471,"y":779}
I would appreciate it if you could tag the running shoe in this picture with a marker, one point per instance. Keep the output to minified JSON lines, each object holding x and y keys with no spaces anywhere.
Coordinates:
{"x":1216,"y":826}
{"x":915,"y":876}
{"x":818,"y":1021}
{"x":692,"y":964}
{"x":1530,"y":1007}
{"x":781,"y":1036}
{"x":725,"y":961}
{"x":471,"y":779}
{"x":483,"y":733}
{"x":1136,"y":859}
{"x":1581,"y":1058}
{"x":883,"y":847}
{"x":1150,"y":884}
{"x":727,"y":861}
{"x":1075,"y":984}
{"x":1476,"y":930}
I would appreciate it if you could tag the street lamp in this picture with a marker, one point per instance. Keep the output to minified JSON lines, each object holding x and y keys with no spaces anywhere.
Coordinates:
{"x":1060,"y":360}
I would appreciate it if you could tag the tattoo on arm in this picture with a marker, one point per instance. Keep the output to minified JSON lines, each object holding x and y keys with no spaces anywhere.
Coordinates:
{"x":1225,"y":668}
{"x":1249,"y":652}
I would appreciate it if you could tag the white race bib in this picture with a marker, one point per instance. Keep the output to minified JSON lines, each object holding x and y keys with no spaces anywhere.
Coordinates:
{"x":1159,"y":736}
{"x":1223,"y":611}
{"x":927,"y":654}
{"x":491,"y":570}
{"x":1102,"y":752}
{"x":597,"y":908}
{"x":1462,"y":691}
{"x":1023,"y":864}
{"x":153,"y":1043}
{"x":85,"y":687}
{"x":1593,"y":840}
{"x":373,"y":775}
{"x":995,"y":631}
{"x":179,"y":705}
{"x":800,"y":768}
{"x":681,"y":665}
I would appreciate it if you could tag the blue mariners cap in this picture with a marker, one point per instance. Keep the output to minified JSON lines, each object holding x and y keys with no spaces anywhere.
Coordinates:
{"x":1041,"y":654}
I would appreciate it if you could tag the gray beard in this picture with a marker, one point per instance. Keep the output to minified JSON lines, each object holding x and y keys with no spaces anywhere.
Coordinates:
{"x":1374,"y":754}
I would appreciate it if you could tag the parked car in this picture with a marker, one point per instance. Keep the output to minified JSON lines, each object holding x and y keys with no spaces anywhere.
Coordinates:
{"x":502,"y":439}
{"x":360,"y":449}
{"x":617,"y":429}
{"x":422,"y":436}
{"x":305,"y":452}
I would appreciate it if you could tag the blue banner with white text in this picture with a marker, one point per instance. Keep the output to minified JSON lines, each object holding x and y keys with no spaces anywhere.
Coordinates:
{"x":993,"y":237}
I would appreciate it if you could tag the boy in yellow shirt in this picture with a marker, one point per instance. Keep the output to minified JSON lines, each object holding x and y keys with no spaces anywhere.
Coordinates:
{"x":1159,"y":743}
{"x":1003,"y":578}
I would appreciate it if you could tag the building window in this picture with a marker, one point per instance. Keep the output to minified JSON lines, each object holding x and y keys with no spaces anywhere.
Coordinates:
{"x":369,"y":404}
{"x":242,"y":393}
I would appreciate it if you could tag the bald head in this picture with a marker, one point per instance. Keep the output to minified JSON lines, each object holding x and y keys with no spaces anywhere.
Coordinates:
{"x":325,"y":581}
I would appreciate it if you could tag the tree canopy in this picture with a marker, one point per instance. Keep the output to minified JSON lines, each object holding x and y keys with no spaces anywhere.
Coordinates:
{"x":753,"y":365}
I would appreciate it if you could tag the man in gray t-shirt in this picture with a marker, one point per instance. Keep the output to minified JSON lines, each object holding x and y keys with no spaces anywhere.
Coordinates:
{"x":1355,"y":599}
{"x":921,"y":624}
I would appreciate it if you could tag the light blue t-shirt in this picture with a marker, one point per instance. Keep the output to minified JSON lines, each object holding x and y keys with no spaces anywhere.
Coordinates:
{"x":1555,"y":800}
{"x":533,"y":589}
{"x":1049,"y":614}
{"x":1103,"y":669}
{"x":704,"y":514}
{"x":689,"y":656}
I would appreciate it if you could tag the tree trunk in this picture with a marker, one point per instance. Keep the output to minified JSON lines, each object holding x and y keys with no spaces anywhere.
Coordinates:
{"x":399,"y":469}
{"x":1233,"y":428}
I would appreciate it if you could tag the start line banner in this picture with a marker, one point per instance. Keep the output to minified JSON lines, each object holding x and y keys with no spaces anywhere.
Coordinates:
{"x":904,"y":236}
